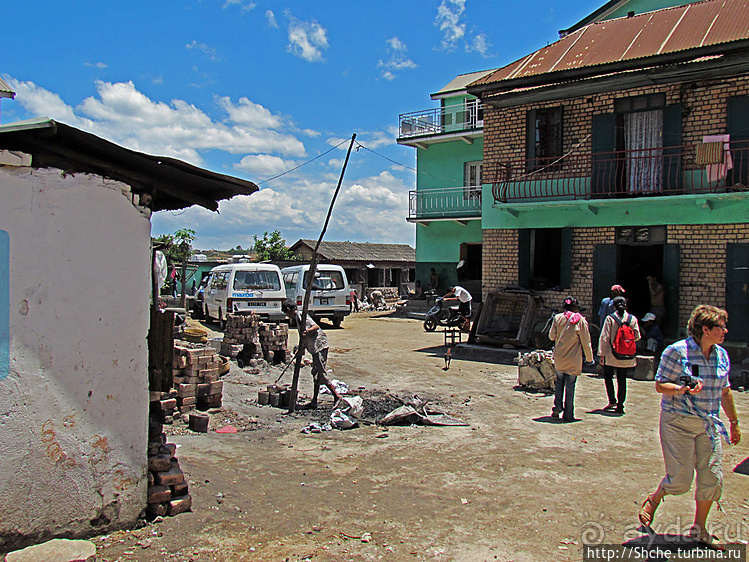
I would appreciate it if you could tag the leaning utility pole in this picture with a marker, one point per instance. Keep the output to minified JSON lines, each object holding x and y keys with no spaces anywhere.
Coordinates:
{"x":310,"y":280}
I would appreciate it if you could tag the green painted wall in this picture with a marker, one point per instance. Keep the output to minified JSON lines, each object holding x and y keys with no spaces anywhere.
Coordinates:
{"x":438,"y":246}
{"x":441,"y":165}
{"x":721,"y":208}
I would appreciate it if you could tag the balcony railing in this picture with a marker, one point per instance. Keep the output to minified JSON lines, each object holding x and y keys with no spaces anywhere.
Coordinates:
{"x":688,"y":169}
{"x":448,"y":119}
{"x":445,"y":203}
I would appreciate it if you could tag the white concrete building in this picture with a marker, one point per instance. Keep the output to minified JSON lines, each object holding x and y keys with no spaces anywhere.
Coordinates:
{"x":75,"y":283}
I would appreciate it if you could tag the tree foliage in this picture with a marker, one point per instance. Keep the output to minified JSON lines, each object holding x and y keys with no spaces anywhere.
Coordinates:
{"x":271,"y":247}
{"x":177,"y":246}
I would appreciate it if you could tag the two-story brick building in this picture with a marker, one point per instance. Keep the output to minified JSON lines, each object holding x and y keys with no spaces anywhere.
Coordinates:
{"x":622,"y":151}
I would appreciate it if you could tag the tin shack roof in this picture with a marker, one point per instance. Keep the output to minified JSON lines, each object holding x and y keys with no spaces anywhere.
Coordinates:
{"x":360,"y":251}
{"x":5,"y":90}
{"x":667,"y":36}
{"x":170,"y":183}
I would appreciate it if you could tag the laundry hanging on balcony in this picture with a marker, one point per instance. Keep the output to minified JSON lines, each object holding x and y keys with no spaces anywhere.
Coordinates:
{"x":714,"y":153}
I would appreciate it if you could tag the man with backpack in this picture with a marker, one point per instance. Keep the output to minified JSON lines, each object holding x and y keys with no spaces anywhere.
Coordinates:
{"x":618,"y":351}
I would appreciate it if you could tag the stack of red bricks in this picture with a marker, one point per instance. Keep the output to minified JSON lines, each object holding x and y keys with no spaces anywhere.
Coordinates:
{"x":167,"y":486}
{"x":195,"y":369}
{"x":241,"y":330}
{"x":274,"y":341}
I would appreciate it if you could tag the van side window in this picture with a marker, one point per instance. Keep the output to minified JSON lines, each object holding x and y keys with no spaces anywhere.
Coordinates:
{"x":290,"y":279}
{"x":219,"y":281}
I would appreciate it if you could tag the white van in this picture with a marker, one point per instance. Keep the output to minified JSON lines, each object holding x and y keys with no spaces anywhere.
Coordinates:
{"x":331,"y":296}
{"x":242,"y":288}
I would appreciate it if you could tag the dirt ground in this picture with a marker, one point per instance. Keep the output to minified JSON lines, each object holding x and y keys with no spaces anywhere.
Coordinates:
{"x":512,"y":485}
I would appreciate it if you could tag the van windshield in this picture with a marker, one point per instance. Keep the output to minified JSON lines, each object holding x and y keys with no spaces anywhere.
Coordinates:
{"x":326,"y":280}
{"x":267,"y":280}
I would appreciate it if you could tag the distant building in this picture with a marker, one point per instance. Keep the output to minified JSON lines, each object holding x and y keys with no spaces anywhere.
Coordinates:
{"x":366,"y":264}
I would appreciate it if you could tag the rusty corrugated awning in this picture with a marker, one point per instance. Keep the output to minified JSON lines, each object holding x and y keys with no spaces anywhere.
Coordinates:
{"x":675,"y":34}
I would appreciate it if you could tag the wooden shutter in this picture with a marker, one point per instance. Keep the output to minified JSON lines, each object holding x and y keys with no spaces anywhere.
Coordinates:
{"x":672,"y":176}
{"x":603,"y":169}
{"x":737,"y":294}
{"x":671,"y":289}
{"x":604,"y":274}
{"x":565,"y":266}
{"x":524,"y":258}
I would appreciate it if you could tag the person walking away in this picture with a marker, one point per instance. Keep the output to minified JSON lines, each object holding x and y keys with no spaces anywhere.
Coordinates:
{"x":607,"y":304}
{"x":618,"y":352}
{"x":569,"y":331}
{"x":315,"y":341}
{"x":693,"y":380}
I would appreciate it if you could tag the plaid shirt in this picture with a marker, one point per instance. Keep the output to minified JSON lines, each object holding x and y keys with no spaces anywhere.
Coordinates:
{"x":677,"y":360}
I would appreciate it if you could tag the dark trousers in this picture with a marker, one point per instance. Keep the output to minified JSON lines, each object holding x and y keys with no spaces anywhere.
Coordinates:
{"x":621,"y":374}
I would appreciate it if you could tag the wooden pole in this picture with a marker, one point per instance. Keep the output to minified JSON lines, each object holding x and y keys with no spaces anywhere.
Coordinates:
{"x":310,"y":280}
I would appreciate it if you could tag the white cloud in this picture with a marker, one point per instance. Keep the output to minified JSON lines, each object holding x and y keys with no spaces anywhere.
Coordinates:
{"x":480,"y":44}
{"x":264,"y":165}
{"x":307,"y":40}
{"x":397,"y":60}
{"x":126,"y":116}
{"x":209,"y":52}
{"x":244,"y":5}
{"x":449,"y":15}
{"x":99,"y":65}
{"x":271,"y":17}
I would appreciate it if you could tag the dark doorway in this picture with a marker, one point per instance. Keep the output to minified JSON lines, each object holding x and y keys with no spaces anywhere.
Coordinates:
{"x":373,"y":277}
{"x":635,"y":264}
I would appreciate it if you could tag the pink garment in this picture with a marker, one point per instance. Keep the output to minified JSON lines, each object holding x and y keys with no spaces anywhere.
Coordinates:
{"x":717,"y":172}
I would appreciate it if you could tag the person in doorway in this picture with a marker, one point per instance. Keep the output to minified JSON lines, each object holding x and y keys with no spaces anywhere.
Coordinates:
{"x":657,"y":302}
{"x":314,"y":340}
{"x":418,"y":291}
{"x":693,"y":381}
{"x":569,"y":331}
{"x":652,"y":336}
{"x":354,"y":300}
{"x":434,"y":280}
{"x":607,"y":304}
{"x":612,"y":365}
{"x":464,"y":301}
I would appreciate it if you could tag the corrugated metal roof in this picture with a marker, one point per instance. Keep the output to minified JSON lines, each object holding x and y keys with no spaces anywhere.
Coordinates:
{"x":667,"y":31}
{"x":459,"y":83}
{"x":172,"y":184}
{"x":361,"y":251}
{"x":5,"y":90}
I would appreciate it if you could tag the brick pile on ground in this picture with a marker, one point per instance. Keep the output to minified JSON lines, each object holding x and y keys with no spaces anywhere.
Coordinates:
{"x":274,"y":341}
{"x":195,"y":375}
{"x":247,"y":339}
{"x":168,"y":492}
{"x":240,"y":335}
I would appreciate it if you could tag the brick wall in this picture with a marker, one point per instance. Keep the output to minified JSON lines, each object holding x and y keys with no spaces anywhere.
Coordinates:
{"x":500,"y":259}
{"x":702,"y":267}
{"x":703,"y":112}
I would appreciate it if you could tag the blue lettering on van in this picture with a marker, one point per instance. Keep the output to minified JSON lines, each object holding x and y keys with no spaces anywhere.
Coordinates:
{"x":242,"y":295}
{"x":4,"y":304}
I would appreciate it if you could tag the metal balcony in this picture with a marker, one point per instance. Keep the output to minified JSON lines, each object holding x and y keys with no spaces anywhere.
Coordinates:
{"x":450,"y":203}
{"x":449,"y":119}
{"x":687,"y":169}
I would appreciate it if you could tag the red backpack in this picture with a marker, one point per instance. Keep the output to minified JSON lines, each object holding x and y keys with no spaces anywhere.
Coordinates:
{"x":623,"y":343}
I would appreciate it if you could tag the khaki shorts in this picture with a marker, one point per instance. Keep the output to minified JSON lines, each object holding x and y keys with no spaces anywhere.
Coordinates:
{"x":687,"y":447}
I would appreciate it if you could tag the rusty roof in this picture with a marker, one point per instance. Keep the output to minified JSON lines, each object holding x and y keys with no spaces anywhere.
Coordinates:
{"x":692,"y":30}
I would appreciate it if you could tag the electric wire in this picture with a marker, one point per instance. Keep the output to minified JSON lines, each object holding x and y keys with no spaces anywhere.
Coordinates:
{"x":303,"y":163}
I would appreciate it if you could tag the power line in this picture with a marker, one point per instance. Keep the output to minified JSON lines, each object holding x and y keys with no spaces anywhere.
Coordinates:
{"x":303,"y":163}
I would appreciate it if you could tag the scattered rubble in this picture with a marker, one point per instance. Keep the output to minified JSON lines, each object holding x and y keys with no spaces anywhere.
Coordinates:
{"x":536,"y":370}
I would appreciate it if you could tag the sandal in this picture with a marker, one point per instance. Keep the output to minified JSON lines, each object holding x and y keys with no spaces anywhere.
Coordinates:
{"x":703,"y":538}
{"x":647,"y":511}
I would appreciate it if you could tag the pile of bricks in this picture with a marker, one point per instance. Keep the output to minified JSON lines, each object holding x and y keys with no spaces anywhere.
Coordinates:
{"x":167,"y":486}
{"x":274,"y":341}
{"x":246,"y":338}
{"x":195,"y":376}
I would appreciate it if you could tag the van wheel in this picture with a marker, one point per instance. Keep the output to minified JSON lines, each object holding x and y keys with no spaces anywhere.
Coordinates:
{"x":337,"y":321}
{"x":221,"y":320}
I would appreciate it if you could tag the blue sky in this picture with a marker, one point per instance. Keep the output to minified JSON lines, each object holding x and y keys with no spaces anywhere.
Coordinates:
{"x":254,"y":89}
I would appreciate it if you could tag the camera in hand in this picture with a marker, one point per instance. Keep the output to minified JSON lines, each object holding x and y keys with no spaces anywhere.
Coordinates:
{"x":688,"y":381}
{"x":692,"y":380}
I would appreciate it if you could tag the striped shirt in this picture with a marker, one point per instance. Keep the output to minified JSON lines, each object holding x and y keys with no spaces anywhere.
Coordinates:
{"x":677,"y":360}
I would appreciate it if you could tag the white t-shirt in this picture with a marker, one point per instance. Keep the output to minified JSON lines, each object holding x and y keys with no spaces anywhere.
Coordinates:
{"x":462,"y":294}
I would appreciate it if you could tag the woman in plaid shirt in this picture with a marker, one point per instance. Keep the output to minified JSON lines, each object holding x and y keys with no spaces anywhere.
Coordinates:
{"x":693,"y":379}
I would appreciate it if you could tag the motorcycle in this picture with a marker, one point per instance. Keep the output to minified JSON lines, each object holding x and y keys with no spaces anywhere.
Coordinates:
{"x":447,"y":316}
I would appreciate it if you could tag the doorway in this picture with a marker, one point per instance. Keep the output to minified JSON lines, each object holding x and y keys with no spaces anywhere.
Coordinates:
{"x":636,"y":263}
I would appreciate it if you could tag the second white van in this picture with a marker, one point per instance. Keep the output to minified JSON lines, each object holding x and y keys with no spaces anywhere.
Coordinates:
{"x":243,"y":288}
{"x":331,"y":296}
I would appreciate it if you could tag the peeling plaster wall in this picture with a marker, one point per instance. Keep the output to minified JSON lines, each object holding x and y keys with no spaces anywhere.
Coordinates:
{"x":74,"y":393}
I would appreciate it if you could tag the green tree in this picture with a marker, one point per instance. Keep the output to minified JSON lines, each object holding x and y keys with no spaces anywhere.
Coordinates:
{"x":178,"y":249}
{"x":271,"y":247}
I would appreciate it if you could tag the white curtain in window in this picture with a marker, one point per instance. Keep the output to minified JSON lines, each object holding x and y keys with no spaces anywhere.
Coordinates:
{"x":643,"y":141}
